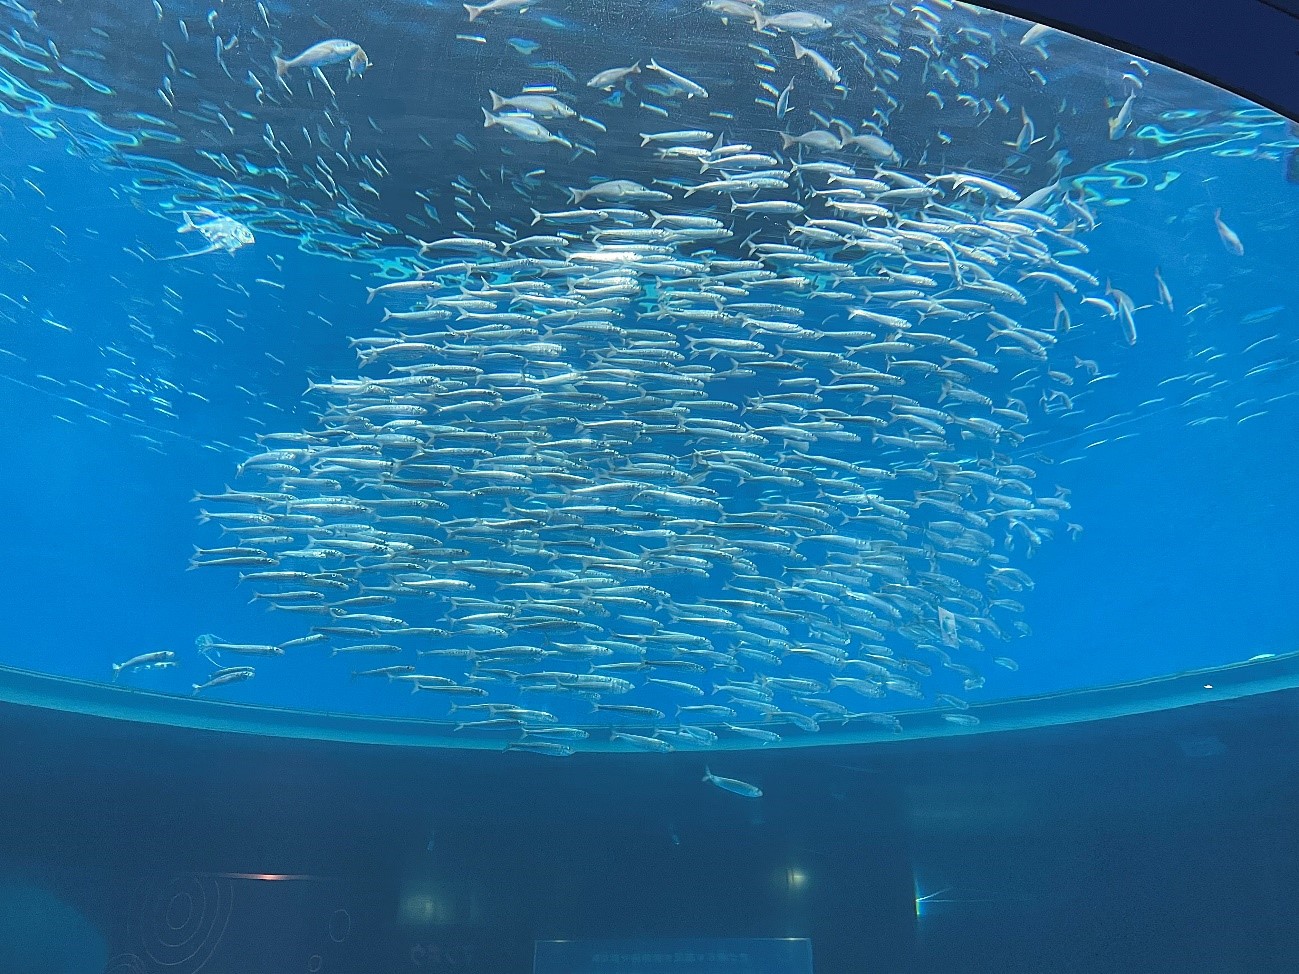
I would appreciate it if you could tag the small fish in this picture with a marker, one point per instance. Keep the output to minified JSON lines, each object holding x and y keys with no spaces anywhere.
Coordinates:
{"x":551,"y":748}
{"x":223,"y":678}
{"x":1228,"y":235}
{"x":733,"y":785}
{"x":795,"y":22}
{"x":1120,"y":122}
{"x":326,"y":52}
{"x":495,"y":6}
{"x":1165,"y":296}
{"x":691,"y":88}
{"x":143,"y":661}
{"x":221,"y":233}
{"x":827,"y":70}
{"x":608,"y":80}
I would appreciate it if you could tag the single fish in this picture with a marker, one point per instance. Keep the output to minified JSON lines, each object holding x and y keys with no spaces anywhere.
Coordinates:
{"x":143,"y":661}
{"x":1228,"y":235}
{"x":608,"y":80}
{"x":221,"y":233}
{"x":733,"y":785}
{"x":495,"y":6}
{"x":319,"y":55}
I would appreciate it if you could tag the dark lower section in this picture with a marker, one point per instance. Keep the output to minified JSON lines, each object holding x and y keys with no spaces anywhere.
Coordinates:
{"x":1245,"y":46}
{"x":1160,"y":842}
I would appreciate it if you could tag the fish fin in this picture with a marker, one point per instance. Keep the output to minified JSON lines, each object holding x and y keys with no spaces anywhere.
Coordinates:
{"x":536,"y":216}
{"x":192,"y":253}
{"x":472,"y":11}
{"x":488,"y":119}
{"x":497,"y":100}
{"x":281,"y":66}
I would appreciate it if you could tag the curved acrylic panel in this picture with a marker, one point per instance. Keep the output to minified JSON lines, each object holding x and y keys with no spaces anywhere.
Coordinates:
{"x":720,"y":373}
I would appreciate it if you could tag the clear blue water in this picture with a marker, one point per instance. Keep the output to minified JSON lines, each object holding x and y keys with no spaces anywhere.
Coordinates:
{"x":128,"y":384}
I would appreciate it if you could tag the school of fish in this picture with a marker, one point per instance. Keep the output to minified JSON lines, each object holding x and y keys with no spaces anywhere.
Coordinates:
{"x":728,"y":437}
{"x":746,"y":435}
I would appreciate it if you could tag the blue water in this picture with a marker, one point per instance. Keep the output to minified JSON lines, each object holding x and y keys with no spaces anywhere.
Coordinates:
{"x":128,"y":384}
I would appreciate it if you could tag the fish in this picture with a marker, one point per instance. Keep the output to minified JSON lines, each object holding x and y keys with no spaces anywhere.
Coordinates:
{"x":1228,"y":236}
{"x":223,"y":678}
{"x":538,"y":106}
{"x":495,"y":6}
{"x":827,"y":70}
{"x":609,"y":79}
{"x":691,"y":88}
{"x":324,"y":53}
{"x":145,"y":661}
{"x":794,"y":22}
{"x":1165,"y":296}
{"x":221,"y":233}
{"x":791,"y":442}
{"x":523,"y":127}
{"x":1119,"y":124}
{"x":733,"y":785}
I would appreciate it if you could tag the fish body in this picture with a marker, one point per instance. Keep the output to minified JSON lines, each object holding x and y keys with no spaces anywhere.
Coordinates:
{"x":1228,"y":235}
{"x":143,"y":661}
{"x":609,"y":79}
{"x":733,"y":785}
{"x":221,"y":233}
{"x":319,"y":55}
{"x":538,"y":106}
{"x":494,"y":6}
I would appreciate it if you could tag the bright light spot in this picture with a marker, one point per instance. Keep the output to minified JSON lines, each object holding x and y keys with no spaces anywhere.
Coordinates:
{"x":1208,"y":686}
{"x":795,"y":879}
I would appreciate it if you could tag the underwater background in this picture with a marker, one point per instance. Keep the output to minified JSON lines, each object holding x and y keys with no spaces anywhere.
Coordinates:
{"x":965,"y":389}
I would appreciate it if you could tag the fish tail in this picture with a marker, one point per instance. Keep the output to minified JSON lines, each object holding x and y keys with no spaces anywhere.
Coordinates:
{"x":281,"y":66}
{"x":707,"y":774}
{"x":369,"y":294}
{"x":577,"y":196}
{"x":488,"y":119}
{"x":497,"y":100}
{"x":472,"y":11}
{"x":197,"y":687}
{"x":635,"y":68}
{"x":536,"y":215}
{"x":786,"y":140}
{"x":117,"y":671}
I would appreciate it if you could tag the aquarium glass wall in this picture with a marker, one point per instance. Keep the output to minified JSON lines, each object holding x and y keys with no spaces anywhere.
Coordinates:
{"x":708,"y":372}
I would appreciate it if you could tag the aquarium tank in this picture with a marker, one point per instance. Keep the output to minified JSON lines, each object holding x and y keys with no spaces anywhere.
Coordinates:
{"x":590,"y":487}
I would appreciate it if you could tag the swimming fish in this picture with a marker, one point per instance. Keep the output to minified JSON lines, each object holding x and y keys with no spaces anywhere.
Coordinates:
{"x":325,"y":53}
{"x":1228,"y":236}
{"x":733,"y":785}
{"x":221,"y":233}
{"x":144,"y":661}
